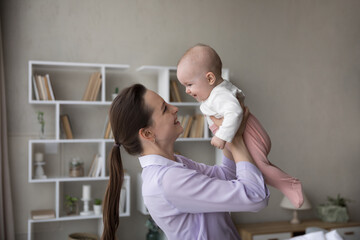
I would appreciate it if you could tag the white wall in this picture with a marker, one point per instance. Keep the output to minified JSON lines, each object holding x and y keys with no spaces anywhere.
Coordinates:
{"x":297,"y":61}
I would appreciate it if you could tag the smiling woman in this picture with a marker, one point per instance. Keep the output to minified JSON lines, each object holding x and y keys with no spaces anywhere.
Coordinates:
{"x":186,"y":199}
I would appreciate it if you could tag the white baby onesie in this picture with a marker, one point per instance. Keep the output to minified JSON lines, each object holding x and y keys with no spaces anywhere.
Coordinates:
{"x":223,"y":102}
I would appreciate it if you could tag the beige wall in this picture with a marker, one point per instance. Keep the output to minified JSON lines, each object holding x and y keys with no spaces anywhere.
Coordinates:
{"x":297,"y":61}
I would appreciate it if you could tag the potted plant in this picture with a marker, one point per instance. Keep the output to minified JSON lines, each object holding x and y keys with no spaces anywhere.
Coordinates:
{"x":97,"y":206}
{"x":116,"y":92}
{"x":40,"y":117}
{"x":334,"y":210}
{"x":71,"y":205}
{"x":153,"y":233}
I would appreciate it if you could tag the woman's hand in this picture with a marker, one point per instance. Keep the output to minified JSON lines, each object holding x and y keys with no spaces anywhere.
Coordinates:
{"x":237,"y":147}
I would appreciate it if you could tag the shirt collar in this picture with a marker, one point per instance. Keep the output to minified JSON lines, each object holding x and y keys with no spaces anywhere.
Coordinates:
{"x":153,"y":159}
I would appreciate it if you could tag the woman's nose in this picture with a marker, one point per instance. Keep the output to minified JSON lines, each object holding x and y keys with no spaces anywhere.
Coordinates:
{"x":175,"y":109}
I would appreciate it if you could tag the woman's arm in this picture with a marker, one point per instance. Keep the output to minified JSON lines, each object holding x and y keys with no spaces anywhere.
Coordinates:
{"x":225,"y":171}
{"x":192,"y":192}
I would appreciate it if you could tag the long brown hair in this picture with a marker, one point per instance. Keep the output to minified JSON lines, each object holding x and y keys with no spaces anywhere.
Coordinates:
{"x":128,"y":114}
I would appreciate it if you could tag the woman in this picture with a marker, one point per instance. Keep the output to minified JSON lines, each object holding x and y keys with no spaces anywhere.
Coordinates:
{"x":188,"y":200}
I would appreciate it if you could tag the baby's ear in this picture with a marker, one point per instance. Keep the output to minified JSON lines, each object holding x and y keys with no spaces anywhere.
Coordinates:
{"x":210,"y":76}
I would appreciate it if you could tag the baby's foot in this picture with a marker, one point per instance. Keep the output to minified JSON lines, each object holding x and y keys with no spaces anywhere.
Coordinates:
{"x":293,"y":191}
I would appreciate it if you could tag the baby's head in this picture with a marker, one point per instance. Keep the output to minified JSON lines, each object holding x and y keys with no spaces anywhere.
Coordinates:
{"x":199,"y":70}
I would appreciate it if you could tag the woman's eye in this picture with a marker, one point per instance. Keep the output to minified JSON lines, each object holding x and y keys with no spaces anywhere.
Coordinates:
{"x":165,"y":108}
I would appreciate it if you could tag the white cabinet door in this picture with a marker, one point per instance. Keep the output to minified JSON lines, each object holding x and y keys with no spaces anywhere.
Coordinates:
{"x":273,"y":236}
{"x":349,"y":233}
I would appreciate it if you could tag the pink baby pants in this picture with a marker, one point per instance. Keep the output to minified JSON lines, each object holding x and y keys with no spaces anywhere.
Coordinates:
{"x":259,"y":144}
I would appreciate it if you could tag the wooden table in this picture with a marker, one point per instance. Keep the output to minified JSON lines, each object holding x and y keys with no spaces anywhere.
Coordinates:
{"x":283,"y":230}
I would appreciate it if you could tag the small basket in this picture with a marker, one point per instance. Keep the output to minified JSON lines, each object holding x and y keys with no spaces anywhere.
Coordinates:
{"x":82,"y":236}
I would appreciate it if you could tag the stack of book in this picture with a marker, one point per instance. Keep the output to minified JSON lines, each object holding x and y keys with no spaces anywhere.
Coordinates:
{"x":96,"y":166}
{"x":42,"y":88}
{"x":42,"y":214}
{"x":193,"y":126}
{"x":93,"y":87}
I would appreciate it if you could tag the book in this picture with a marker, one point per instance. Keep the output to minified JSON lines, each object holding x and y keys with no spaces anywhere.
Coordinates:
{"x":184,"y":121}
{"x":174,"y":88}
{"x":65,"y":120}
{"x":89,"y":88}
{"x":42,"y":214}
{"x":193,"y":129}
{"x":97,"y":173}
{"x":96,"y":86}
{"x":108,"y":130}
{"x":41,"y":87}
{"x":52,"y":96}
{"x":200,"y":132}
{"x":36,"y":91}
{"x":188,"y":127}
{"x":105,"y":125}
{"x":47,"y":89}
{"x":92,"y":166}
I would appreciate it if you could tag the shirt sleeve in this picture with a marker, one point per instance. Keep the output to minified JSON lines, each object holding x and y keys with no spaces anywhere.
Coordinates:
{"x":193,"y":192}
{"x":225,"y":171}
{"x":228,"y":106}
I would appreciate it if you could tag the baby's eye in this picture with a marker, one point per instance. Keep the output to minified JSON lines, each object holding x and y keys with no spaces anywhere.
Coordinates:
{"x":189,"y":85}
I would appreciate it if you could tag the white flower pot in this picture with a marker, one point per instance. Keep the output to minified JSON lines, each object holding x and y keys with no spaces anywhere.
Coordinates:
{"x":97,"y":209}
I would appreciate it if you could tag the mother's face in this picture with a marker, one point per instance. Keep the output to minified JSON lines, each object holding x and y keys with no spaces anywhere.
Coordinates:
{"x":165,"y":125}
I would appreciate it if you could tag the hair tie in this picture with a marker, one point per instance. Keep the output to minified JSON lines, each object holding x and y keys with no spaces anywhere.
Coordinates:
{"x":117,"y":145}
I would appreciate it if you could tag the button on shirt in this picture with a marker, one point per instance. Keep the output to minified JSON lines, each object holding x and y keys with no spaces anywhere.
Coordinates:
{"x":190,"y":200}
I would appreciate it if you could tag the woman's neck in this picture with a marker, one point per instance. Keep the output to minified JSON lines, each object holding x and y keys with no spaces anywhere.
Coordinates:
{"x":163,"y":150}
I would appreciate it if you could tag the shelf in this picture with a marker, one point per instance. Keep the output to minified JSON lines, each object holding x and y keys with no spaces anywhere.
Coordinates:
{"x":76,"y":64}
{"x":67,"y":218}
{"x":67,"y":102}
{"x":69,"y":179}
{"x":185,"y":104}
{"x":87,"y":140}
{"x":154,"y":69}
{"x":67,"y":82}
{"x":193,"y":139}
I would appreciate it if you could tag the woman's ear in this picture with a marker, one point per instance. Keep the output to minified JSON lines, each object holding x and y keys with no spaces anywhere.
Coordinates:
{"x":210,"y":76}
{"x":146,"y":134}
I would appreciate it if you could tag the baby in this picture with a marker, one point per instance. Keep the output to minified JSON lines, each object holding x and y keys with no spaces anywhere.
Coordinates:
{"x":199,"y":70}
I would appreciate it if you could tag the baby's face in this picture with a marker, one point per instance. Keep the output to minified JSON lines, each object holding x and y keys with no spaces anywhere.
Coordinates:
{"x":195,"y":82}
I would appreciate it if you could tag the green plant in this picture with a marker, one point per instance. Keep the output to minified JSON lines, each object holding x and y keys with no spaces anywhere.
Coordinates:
{"x":40,"y":117}
{"x":151,"y":225}
{"x":70,"y":201}
{"x":116,"y":90}
{"x":97,"y":201}
{"x":338,"y":201}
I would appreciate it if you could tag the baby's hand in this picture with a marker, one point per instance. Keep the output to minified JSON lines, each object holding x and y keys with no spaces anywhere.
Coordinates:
{"x":218,"y":142}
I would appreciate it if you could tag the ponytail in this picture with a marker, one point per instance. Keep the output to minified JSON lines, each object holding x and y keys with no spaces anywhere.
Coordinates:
{"x":112,"y":195}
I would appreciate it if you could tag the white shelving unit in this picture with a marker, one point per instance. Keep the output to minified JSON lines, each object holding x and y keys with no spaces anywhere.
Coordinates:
{"x":189,"y":106}
{"x":69,"y":81}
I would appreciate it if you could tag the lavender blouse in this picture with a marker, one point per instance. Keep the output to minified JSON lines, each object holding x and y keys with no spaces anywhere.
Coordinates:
{"x":190,"y":200}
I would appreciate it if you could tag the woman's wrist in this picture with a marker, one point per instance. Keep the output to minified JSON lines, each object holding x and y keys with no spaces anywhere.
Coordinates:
{"x":240,"y":152}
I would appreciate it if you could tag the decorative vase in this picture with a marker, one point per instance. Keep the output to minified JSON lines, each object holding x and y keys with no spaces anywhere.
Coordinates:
{"x":332,"y":213}
{"x":72,"y":209}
